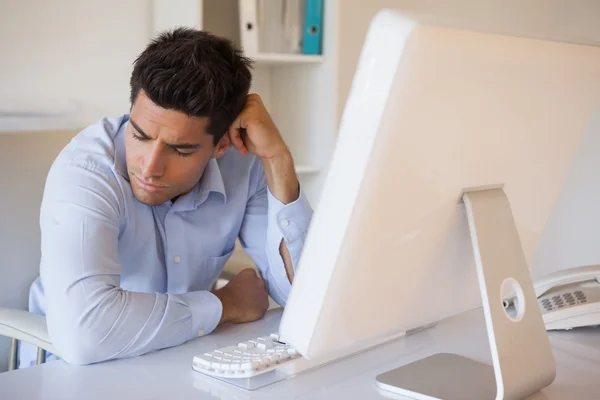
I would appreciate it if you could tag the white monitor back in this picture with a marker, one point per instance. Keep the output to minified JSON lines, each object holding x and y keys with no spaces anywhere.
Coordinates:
{"x":432,"y":111}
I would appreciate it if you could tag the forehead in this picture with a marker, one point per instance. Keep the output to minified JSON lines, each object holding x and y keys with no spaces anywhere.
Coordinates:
{"x":173,"y":125}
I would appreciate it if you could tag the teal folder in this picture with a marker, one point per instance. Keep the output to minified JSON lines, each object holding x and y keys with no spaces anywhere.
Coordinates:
{"x":313,"y":22}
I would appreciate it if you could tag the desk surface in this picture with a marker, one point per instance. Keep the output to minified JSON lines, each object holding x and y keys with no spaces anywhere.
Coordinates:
{"x":168,"y":374}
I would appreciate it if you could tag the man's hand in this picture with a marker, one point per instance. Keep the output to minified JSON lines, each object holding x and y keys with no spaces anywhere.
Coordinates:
{"x":244,"y":298}
{"x":254,"y":131}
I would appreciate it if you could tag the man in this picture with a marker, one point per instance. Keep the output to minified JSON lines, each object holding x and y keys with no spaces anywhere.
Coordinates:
{"x":140,"y":213}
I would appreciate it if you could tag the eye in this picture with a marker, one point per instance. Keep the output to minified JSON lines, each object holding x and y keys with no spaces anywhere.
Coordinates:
{"x":182,"y":154}
{"x":137,"y":137}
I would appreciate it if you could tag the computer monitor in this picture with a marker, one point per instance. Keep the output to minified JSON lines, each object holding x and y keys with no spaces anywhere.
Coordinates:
{"x":452,"y":150}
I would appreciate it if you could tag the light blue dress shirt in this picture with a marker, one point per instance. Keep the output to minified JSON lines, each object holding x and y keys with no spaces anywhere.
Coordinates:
{"x":119,"y":278}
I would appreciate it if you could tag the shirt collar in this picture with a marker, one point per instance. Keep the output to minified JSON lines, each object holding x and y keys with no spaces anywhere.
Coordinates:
{"x":120,"y":163}
{"x":211,"y":180}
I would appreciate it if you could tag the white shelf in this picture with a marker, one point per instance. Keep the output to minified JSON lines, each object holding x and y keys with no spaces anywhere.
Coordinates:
{"x":307,"y":169}
{"x":283,"y":59}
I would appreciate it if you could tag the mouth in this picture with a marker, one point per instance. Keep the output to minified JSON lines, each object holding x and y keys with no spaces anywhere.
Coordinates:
{"x":147,"y":186}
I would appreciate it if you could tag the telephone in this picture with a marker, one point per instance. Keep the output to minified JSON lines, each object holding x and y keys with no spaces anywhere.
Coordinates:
{"x":568,"y":299}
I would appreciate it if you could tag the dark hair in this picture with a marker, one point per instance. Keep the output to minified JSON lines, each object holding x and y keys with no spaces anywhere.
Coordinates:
{"x":194,"y":72}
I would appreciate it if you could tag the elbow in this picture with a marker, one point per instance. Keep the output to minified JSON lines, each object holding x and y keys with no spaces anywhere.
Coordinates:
{"x":81,"y":329}
{"x":78,"y":355}
{"x":76,"y":345}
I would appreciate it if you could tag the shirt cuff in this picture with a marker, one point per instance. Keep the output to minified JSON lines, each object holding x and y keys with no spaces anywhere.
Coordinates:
{"x":206,"y":310}
{"x":292,"y":219}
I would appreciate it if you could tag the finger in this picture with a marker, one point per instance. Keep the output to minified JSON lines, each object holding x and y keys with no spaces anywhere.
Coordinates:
{"x":248,"y":271}
{"x":235,"y":134}
{"x":223,"y":145}
{"x":226,"y":140}
{"x":237,"y":141}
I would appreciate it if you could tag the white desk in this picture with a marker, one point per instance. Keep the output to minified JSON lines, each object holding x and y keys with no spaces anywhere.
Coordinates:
{"x":167,"y":374}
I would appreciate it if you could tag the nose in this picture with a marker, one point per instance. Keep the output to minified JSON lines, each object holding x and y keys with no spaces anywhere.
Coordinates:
{"x":154,"y":165}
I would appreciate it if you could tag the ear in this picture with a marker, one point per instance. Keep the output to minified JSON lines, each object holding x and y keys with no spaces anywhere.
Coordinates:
{"x":222,"y":146}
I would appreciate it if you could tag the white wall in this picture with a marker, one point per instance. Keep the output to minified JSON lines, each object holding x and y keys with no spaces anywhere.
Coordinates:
{"x":556,"y":19}
{"x":572,"y":235}
{"x":69,"y":57}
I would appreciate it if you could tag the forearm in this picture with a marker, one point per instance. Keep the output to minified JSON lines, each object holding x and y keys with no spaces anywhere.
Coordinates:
{"x":283,"y":183}
{"x":285,"y":232}
{"x":107,"y":322}
{"x":281,"y":177}
{"x":287,"y":261}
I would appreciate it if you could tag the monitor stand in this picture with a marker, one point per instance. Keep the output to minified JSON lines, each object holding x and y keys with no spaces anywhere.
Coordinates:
{"x":523,"y":362}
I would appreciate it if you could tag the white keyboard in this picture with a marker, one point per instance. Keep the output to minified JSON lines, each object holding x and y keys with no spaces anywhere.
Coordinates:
{"x":247,"y":359}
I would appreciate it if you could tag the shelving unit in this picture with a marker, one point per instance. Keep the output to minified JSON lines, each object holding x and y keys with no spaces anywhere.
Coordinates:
{"x":307,"y":169}
{"x":300,"y":91}
{"x":285,"y":59}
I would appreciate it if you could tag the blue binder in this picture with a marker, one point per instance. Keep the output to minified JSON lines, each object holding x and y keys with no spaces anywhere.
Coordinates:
{"x":313,"y":23}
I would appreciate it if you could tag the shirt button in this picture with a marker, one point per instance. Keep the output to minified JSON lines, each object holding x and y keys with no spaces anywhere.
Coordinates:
{"x":176,"y":259}
{"x":285,"y":223}
{"x":201,"y":333}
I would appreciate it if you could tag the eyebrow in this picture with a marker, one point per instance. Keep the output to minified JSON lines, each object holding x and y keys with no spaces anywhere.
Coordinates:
{"x":172,"y":145}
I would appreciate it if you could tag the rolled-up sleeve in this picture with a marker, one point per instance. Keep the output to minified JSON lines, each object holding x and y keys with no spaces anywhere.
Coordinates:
{"x":266,"y":223}
{"x":90,"y":318}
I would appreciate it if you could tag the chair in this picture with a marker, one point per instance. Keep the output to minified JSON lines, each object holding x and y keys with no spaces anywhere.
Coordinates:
{"x":25,"y":158}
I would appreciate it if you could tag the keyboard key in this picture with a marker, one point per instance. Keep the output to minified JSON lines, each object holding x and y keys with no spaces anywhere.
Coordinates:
{"x":249,"y":366}
{"x":291,"y":351}
{"x":229,"y":349}
{"x":274,"y":336}
{"x":264,"y":346}
{"x":246,"y":345}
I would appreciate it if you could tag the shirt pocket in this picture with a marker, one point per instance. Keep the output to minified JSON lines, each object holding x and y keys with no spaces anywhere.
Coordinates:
{"x":214,"y":265}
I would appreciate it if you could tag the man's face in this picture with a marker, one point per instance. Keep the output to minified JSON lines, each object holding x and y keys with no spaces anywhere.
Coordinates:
{"x":166,"y":151}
